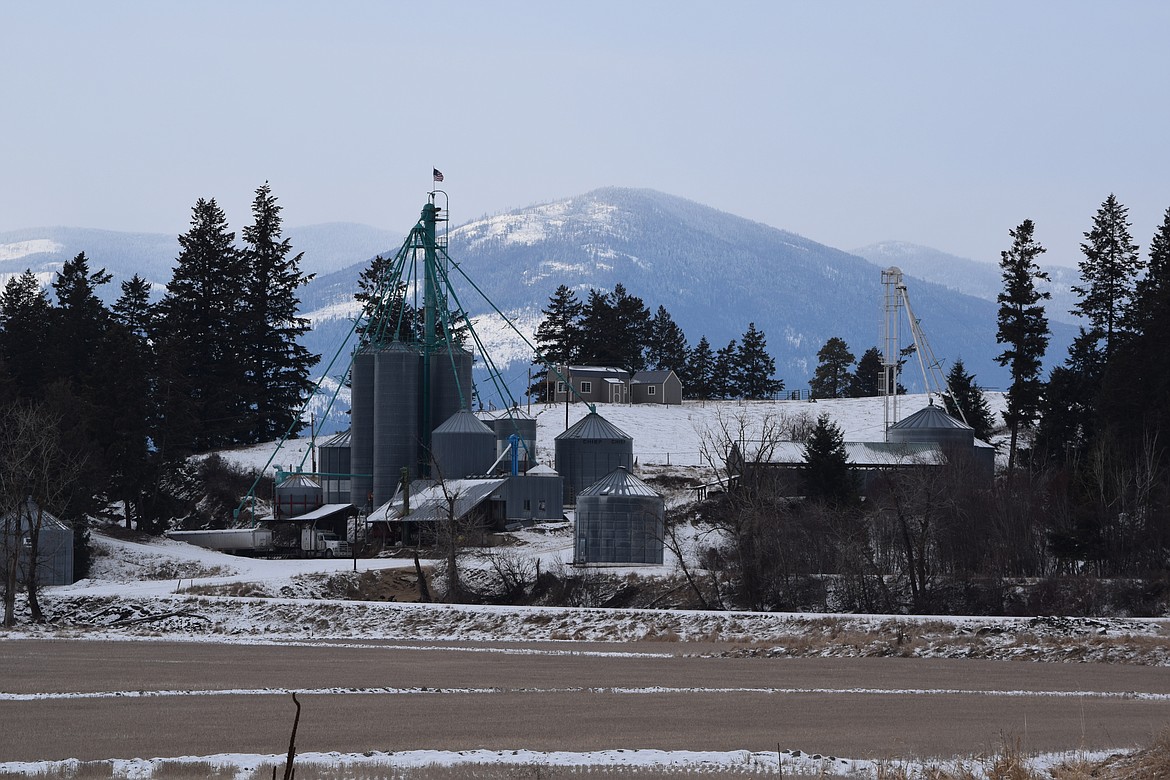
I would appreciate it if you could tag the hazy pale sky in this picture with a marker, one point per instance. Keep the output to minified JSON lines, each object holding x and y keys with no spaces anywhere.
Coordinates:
{"x":938,"y":123}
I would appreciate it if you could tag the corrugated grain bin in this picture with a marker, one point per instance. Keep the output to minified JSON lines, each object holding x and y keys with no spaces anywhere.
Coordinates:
{"x":298,"y":494}
{"x":334,"y":461}
{"x":361,"y":418}
{"x":462,"y":447}
{"x":590,"y":450}
{"x":620,"y":519}
{"x":450,"y":383}
{"x":396,"y":438}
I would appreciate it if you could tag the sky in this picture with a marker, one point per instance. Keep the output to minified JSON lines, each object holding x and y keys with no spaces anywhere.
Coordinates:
{"x":941,"y":124}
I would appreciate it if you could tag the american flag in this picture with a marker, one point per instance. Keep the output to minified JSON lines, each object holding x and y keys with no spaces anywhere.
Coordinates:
{"x":438,"y":174}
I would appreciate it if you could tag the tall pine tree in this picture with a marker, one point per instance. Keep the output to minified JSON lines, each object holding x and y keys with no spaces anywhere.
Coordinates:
{"x":202,"y":379}
{"x":825,"y":472}
{"x":24,"y":342}
{"x":968,"y":396}
{"x":277,"y":364}
{"x":1023,"y":327}
{"x":1109,"y":273}
{"x":755,"y":368}
{"x":700,"y":371}
{"x":864,"y":382}
{"x":666,"y":348}
{"x":725,"y":373}
{"x":832,"y":376}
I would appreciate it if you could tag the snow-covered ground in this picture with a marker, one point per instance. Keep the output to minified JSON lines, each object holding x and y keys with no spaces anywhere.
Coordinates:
{"x":148,"y":591}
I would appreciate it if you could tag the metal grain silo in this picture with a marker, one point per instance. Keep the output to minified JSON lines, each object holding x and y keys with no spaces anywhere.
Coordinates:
{"x":361,"y":417}
{"x":588,"y":451}
{"x":450,"y":383}
{"x":620,"y":519}
{"x":932,"y":425}
{"x":397,"y":443}
{"x":296,"y":495}
{"x":334,"y":458}
{"x":462,"y":447}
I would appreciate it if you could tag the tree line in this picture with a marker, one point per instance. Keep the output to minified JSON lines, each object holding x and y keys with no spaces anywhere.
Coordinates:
{"x":616,"y":329}
{"x":1077,"y":522}
{"x":129,"y":391}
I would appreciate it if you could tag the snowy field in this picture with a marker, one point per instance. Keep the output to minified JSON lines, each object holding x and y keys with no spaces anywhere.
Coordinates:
{"x":161,"y":589}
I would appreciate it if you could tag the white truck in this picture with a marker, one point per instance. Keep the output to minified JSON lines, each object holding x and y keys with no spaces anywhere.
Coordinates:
{"x":326,"y":544}
{"x":242,"y":541}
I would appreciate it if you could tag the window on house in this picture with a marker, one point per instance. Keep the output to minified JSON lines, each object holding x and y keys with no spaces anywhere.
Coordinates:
{"x":560,"y":387}
{"x":651,"y":390}
{"x":527,"y":504}
{"x":586,"y":387}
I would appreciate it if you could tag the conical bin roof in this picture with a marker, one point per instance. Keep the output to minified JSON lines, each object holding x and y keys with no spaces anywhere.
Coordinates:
{"x":594,"y":426}
{"x":464,"y":421}
{"x":619,"y":482}
{"x":930,"y":418}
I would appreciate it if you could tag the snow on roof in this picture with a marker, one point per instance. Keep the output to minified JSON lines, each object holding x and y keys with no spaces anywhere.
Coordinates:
{"x":541,"y":470}
{"x":430,"y":500}
{"x":322,"y":512}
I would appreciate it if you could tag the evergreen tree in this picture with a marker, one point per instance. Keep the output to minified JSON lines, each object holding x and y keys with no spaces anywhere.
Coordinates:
{"x":825,"y":472}
{"x":968,"y":397}
{"x":133,"y":308}
{"x":832,"y":377}
{"x":631,"y":329}
{"x":1068,"y":422}
{"x":24,"y":317}
{"x":614,"y":330}
{"x":386,"y":314}
{"x":700,"y":371}
{"x":1023,"y":327}
{"x":666,"y":347}
{"x":202,"y":382}
{"x":596,"y":319}
{"x":131,"y":391}
{"x":864,"y":381}
{"x":1109,"y":273}
{"x":80,"y":321}
{"x":725,"y":372}
{"x":276,"y":362}
{"x":1135,"y":377}
{"x":558,"y":335}
{"x":755,"y":367}
{"x":1152,"y":292}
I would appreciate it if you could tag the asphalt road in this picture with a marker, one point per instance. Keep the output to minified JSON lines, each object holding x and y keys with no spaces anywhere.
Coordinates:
{"x":160,"y":699}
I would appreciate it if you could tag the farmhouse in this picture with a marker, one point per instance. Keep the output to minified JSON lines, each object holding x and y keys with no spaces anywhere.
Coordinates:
{"x":604,"y":384}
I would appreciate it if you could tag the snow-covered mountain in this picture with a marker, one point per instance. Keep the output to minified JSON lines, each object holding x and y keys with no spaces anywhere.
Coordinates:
{"x":327,"y":247}
{"x":972,"y":277}
{"x":715,"y":272}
